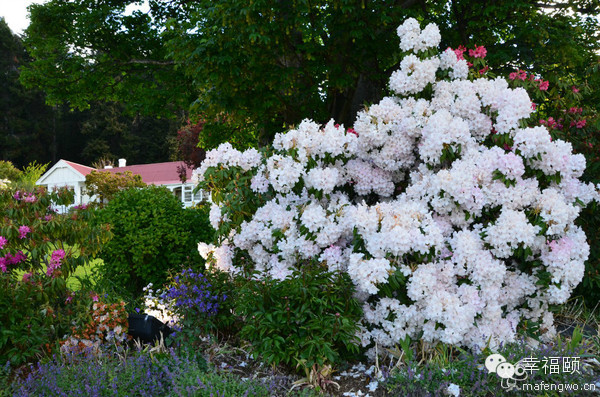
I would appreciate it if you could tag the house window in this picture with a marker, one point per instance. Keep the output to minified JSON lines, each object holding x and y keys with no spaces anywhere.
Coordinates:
{"x":187,"y":193}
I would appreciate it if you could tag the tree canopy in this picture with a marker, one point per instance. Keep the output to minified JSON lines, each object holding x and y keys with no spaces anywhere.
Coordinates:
{"x":247,"y":69}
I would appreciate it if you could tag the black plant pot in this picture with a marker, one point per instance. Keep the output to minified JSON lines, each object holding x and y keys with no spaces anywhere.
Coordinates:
{"x":147,"y":328}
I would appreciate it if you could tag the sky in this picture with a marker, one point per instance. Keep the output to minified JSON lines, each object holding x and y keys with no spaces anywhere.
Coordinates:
{"x":15,"y":13}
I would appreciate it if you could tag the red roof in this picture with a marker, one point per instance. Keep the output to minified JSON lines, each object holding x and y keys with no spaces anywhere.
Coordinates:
{"x":82,"y":169}
{"x":156,"y":173}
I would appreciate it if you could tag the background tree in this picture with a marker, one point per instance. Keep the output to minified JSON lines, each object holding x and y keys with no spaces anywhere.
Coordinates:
{"x":252,"y":68}
{"x":106,"y":184}
{"x":25,"y":121}
{"x":32,"y":131}
{"x":9,"y":171}
{"x":187,"y":148}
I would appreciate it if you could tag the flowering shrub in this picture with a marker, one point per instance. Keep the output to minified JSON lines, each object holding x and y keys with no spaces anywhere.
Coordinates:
{"x":34,"y":239}
{"x":561,"y":107}
{"x":454,"y":221}
{"x":191,"y":304}
{"x":39,"y":250}
{"x":108,"y":323}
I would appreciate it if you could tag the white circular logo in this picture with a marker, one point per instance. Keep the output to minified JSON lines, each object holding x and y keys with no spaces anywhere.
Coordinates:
{"x":492,"y":362}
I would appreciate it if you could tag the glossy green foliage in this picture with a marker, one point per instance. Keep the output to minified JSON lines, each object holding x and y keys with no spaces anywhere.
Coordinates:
{"x":305,"y":320}
{"x":152,"y":233}
{"x":91,"y":50}
{"x":48,"y":231}
{"x":248,"y":69}
{"x":36,"y":307}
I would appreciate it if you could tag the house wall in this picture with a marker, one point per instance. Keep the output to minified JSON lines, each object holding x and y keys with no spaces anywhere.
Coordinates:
{"x":185,"y":193}
{"x":62,"y":174}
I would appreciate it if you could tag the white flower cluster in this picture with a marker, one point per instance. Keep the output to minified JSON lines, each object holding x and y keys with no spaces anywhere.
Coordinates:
{"x":158,"y":307}
{"x":418,"y":194}
{"x":227,"y":156}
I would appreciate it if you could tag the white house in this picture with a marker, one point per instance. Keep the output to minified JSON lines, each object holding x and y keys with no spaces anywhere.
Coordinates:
{"x":72,"y":175}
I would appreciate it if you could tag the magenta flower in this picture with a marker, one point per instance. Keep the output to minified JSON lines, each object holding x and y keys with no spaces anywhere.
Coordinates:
{"x":23,"y":231}
{"x":55,"y":262}
{"x":11,"y":259}
{"x":16,"y":258}
{"x":27,"y":276}
{"x":3,"y":242}
{"x":544,"y":85}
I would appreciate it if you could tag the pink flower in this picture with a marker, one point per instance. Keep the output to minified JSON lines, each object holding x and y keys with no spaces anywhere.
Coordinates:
{"x":544,"y":85}
{"x":3,"y":265}
{"x":30,"y":198}
{"x":533,"y":106}
{"x":69,"y":298}
{"x":522,"y":75}
{"x":352,"y":131}
{"x":95,"y":298}
{"x":25,"y":196}
{"x":581,"y":123}
{"x":575,"y":89}
{"x":484,"y":70}
{"x":3,"y":242}
{"x":459,"y":52}
{"x":26,"y":276}
{"x":23,"y":231}
{"x":478,"y":52}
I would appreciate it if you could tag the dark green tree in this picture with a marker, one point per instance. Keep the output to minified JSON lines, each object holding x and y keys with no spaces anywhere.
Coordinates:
{"x":24,"y":120}
{"x":249,"y":68}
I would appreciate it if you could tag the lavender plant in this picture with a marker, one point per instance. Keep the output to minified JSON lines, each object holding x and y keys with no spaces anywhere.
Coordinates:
{"x":134,"y":374}
{"x":466,"y":375}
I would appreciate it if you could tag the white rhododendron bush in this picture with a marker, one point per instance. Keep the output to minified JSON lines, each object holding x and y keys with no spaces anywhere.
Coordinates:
{"x":455,"y":223}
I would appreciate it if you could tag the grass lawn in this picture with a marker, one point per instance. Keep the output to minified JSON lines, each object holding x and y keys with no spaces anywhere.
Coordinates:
{"x":81,"y":272}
